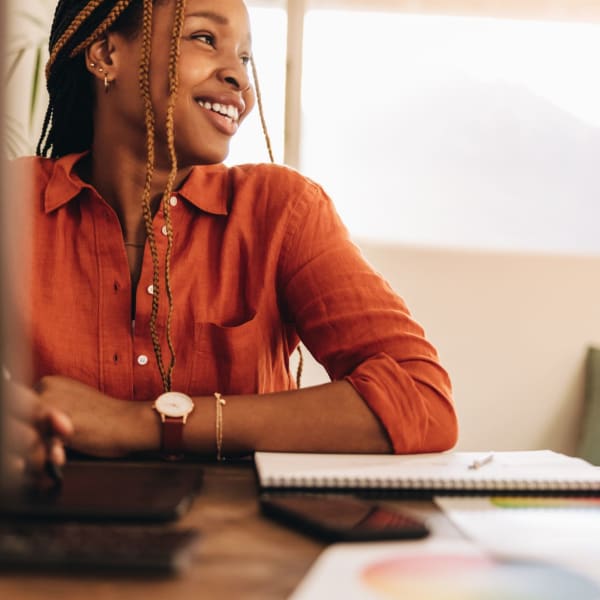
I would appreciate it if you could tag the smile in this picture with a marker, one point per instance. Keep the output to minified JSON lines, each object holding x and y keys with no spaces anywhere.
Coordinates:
{"x":227,"y":110}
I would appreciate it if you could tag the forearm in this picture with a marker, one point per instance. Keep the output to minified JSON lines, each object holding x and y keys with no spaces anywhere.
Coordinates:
{"x":326,"y":418}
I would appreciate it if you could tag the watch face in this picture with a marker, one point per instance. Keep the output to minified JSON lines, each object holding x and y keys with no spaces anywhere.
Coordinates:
{"x":174,"y":404}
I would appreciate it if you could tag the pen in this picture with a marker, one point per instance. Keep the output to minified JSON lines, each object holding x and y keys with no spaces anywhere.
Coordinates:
{"x":480,"y":462}
{"x":54,"y":472}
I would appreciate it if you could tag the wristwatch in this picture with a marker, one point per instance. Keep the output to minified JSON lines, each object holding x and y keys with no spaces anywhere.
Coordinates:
{"x":173,"y":408}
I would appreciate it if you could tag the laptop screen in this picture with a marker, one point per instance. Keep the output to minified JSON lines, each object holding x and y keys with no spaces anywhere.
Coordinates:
{"x":3,"y":476}
{"x":12,"y":213}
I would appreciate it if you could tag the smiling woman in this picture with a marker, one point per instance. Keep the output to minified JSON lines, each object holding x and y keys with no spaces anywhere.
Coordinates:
{"x":159,"y":273}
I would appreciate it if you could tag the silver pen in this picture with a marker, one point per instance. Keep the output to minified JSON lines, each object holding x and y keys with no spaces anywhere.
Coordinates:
{"x":481,"y":462}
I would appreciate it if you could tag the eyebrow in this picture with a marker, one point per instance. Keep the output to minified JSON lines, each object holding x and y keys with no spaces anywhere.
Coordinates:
{"x":213,"y":16}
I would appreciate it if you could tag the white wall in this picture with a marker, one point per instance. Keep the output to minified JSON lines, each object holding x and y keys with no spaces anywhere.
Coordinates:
{"x":512,"y":330}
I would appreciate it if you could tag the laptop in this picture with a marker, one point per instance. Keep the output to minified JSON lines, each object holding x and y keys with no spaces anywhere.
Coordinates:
{"x":109,"y":491}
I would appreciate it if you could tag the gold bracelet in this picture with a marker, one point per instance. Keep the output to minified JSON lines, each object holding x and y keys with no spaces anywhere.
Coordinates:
{"x":219,"y":424}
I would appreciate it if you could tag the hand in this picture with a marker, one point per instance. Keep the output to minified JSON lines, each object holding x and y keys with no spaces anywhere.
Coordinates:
{"x":35,"y":433}
{"x":102,"y":425}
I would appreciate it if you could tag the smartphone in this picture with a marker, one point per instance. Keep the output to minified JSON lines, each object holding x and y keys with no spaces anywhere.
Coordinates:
{"x":341,"y":518}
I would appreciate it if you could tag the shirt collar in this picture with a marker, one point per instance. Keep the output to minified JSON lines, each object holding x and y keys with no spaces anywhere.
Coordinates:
{"x":64,"y":183}
{"x":207,"y":187}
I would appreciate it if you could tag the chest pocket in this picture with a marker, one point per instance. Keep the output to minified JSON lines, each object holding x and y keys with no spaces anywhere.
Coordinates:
{"x":229,"y":359}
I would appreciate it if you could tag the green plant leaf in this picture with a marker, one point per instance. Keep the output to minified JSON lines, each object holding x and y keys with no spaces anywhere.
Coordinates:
{"x":35,"y":85}
{"x":14,"y":64}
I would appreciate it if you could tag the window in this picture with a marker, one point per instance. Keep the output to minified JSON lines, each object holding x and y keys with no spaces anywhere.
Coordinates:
{"x":425,"y":128}
{"x":269,"y":30}
{"x":455,"y":131}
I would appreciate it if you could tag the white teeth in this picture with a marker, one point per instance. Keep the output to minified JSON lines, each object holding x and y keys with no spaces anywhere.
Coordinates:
{"x":223,"y":109}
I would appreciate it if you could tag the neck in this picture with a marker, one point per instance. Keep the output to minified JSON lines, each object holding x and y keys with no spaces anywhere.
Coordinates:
{"x":118,"y":173}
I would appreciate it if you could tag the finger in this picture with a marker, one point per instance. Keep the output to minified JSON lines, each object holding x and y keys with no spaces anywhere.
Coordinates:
{"x":25,"y":444}
{"x":56,"y":452}
{"x":35,"y":459}
{"x":59,"y":423}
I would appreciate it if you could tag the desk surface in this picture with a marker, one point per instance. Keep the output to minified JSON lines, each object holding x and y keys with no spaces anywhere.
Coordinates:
{"x":242,"y":554}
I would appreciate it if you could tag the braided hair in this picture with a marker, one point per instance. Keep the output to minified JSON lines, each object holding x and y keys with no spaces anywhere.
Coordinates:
{"x":68,"y":123}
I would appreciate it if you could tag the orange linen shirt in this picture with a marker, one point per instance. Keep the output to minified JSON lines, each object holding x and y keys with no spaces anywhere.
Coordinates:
{"x":260,"y":260}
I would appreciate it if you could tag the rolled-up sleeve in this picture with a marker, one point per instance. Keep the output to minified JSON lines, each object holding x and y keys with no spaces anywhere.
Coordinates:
{"x":360,"y":330}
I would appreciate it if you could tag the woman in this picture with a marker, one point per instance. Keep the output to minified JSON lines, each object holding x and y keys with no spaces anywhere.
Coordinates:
{"x":158,"y":269}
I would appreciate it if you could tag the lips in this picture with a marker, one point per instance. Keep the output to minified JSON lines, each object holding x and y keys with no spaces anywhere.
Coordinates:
{"x":224,"y":111}
{"x":227,"y":110}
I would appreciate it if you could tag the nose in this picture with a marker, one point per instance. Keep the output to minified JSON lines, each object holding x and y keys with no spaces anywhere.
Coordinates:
{"x":235,"y":77}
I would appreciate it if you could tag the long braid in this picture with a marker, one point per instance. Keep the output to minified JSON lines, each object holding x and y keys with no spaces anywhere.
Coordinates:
{"x":41,"y":148}
{"x":261,"y":112}
{"x":114,"y":14}
{"x":263,"y":124}
{"x":170,"y":126}
{"x":70,"y":31}
{"x":68,"y":125}
{"x":146,"y":196}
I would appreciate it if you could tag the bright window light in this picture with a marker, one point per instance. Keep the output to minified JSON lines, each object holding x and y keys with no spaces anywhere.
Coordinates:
{"x":455,"y":131}
{"x":269,"y":30}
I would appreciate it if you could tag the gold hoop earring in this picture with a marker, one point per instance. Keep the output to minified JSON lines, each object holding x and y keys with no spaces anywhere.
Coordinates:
{"x":106,"y":84}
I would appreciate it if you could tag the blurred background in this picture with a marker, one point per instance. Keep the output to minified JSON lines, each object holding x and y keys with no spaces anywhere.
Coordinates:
{"x":459,"y":141}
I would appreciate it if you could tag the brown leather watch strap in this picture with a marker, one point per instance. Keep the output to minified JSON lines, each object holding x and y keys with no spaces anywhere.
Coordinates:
{"x":172,"y":438}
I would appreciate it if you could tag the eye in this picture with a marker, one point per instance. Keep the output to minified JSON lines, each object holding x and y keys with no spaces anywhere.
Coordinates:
{"x":245,"y":60}
{"x":205,"y":38}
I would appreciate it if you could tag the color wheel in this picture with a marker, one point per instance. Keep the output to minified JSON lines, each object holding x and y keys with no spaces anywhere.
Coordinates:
{"x":447,"y":577}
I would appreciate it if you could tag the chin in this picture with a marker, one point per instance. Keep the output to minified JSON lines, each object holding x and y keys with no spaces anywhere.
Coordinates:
{"x":202,"y":156}
{"x":185,"y":160}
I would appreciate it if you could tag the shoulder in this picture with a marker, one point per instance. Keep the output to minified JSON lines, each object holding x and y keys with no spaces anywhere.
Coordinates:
{"x":280,"y":181}
{"x":277,"y":190}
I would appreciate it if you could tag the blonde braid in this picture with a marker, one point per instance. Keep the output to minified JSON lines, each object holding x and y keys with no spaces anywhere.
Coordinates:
{"x":267,"y":137}
{"x":114,"y":14}
{"x":146,"y":196}
{"x":170,"y":126}
{"x":70,"y":31}
{"x":261,"y":112}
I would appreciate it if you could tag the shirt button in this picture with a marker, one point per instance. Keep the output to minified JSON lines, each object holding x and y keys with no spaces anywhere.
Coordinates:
{"x":173,"y":200}
{"x":142,"y":360}
{"x":164,"y":230}
{"x":150,"y":289}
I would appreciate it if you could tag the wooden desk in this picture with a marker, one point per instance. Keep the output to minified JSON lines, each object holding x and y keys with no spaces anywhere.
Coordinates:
{"x":243,"y":556}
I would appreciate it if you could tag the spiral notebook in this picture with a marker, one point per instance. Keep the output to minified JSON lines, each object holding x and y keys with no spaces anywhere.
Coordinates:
{"x":539,"y":471}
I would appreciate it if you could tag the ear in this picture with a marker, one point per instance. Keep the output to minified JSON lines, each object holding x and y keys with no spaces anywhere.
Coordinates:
{"x":99,"y":59}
